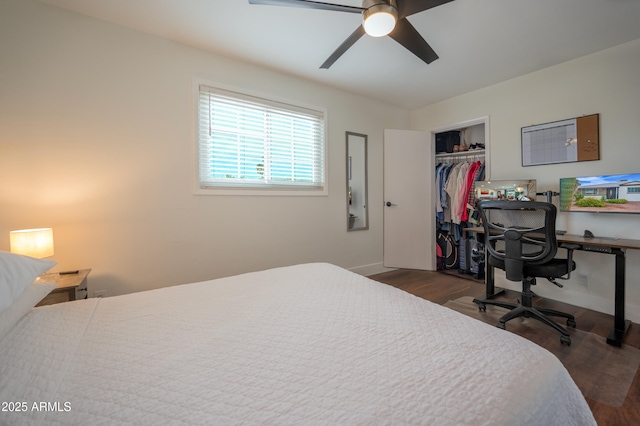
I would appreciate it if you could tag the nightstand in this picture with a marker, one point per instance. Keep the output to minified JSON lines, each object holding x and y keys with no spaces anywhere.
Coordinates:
{"x":68,"y":286}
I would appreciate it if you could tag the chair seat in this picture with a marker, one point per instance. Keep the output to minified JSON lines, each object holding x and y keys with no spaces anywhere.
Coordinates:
{"x":553,"y":269}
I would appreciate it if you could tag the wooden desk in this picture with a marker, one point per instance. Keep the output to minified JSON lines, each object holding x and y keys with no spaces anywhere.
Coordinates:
{"x":614,"y":246}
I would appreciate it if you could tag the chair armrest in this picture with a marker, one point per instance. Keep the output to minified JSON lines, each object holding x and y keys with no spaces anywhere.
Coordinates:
{"x":570,"y":248}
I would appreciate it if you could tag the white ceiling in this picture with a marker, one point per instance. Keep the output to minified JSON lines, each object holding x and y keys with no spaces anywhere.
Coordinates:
{"x":480,"y":42}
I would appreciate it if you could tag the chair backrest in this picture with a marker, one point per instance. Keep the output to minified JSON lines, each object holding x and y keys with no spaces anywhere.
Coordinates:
{"x":519,"y":232}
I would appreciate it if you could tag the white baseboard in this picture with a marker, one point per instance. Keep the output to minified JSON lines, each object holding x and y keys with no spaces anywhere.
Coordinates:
{"x":577,"y":298}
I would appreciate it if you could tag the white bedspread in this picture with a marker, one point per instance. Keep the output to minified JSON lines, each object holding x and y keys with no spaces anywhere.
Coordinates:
{"x":305,"y":345}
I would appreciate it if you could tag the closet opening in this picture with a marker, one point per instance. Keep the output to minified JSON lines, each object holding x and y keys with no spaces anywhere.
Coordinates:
{"x":461,"y":159}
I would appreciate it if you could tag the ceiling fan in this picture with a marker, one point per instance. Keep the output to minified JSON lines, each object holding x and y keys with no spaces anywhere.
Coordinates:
{"x":379,"y":18}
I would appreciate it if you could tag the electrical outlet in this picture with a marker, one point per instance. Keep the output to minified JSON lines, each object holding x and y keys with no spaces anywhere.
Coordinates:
{"x":100,"y":293}
{"x":582,"y":281}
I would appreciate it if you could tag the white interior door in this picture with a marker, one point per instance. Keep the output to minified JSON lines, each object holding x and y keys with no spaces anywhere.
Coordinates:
{"x":409,"y":218}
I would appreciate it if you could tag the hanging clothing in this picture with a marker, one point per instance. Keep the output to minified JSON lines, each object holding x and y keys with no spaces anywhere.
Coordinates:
{"x":454,"y":192}
{"x":464,"y":200}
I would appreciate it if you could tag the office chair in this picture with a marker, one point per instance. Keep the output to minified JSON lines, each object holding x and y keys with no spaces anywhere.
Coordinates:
{"x":520,"y":238}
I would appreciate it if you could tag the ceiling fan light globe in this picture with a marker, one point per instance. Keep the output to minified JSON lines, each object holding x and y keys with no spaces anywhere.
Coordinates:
{"x":379,"y":24}
{"x":379,"y":17}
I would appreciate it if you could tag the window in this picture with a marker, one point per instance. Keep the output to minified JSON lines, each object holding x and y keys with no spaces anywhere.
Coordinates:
{"x":633,"y":190}
{"x":251,"y":145}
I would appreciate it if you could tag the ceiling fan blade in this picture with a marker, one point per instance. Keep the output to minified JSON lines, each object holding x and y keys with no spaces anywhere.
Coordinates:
{"x":350,"y":41}
{"x":309,"y":4}
{"x":409,"y":7}
{"x":405,"y":34}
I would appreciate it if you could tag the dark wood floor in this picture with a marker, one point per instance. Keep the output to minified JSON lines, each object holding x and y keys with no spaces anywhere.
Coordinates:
{"x":440,"y":287}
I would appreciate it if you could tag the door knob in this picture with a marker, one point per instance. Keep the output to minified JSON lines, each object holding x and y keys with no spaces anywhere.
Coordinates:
{"x":389,"y":204}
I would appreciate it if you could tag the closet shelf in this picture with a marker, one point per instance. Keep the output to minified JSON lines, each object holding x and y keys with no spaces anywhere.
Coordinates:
{"x":469,"y":153}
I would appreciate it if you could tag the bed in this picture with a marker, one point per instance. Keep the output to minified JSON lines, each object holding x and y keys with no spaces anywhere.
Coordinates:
{"x":310,"y":344}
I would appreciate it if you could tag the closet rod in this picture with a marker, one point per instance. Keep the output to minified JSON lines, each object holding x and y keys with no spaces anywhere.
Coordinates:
{"x":461,"y":155}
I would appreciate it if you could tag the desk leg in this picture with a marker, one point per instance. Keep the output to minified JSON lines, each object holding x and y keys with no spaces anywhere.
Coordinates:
{"x":620,"y":325}
{"x":490,"y":289}
{"x":489,"y":282}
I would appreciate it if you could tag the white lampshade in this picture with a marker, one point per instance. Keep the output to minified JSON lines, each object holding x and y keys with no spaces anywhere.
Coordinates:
{"x":380,"y":19}
{"x":32,"y":242}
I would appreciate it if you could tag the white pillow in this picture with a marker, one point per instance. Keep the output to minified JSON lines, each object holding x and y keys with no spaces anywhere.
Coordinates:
{"x":16,"y":273}
{"x":22,"y":305}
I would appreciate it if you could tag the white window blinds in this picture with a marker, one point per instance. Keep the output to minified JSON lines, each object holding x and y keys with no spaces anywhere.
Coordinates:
{"x":246,"y":142}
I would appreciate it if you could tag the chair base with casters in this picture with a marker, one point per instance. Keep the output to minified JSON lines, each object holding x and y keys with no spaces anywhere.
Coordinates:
{"x":525,"y":309}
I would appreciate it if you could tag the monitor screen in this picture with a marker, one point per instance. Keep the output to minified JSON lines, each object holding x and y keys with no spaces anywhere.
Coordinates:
{"x":523,"y":190}
{"x":601,"y":194}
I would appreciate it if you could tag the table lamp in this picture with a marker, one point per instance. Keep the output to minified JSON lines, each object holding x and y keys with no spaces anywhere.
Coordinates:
{"x":32,"y":242}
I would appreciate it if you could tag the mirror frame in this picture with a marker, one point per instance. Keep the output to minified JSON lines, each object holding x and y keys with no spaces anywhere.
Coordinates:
{"x":352,"y":166}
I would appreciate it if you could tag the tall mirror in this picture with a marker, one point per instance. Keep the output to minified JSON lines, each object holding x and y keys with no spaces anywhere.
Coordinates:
{"x":357,"y":209}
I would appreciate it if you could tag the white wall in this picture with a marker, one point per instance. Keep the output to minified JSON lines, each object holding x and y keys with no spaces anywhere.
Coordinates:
{"x":607,"y":83}
{"x":96,"y":141}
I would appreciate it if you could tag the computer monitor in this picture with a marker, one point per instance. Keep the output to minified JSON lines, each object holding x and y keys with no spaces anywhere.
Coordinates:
{"x":601,"y":194}
{"x":517,"y":189}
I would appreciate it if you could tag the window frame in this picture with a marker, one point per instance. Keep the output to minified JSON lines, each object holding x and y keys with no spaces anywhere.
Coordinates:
{"x":252,"y":190}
